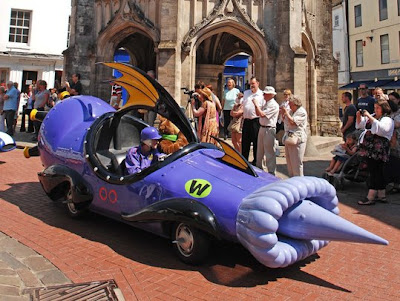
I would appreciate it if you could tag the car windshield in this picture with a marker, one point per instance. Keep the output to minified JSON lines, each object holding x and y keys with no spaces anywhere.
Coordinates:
{"x":111,"y":137}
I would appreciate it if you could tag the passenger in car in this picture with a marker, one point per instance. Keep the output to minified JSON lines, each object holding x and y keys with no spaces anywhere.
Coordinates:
{"x":142,"y":156}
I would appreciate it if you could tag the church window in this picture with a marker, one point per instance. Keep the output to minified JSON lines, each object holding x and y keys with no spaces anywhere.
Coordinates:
{"x":19,"y":26}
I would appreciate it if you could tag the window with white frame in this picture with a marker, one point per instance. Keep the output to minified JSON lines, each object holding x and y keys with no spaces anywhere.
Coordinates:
{"x":357,"y":15}
{"x":385,"y":57}
{"x":336,"y":21}
{"x":359,"y":53}
{"x":19,"y":26}
{"x":383,"y":11}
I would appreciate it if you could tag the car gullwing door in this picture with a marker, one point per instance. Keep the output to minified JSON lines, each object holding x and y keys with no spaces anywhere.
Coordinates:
{"x":147,"y":93}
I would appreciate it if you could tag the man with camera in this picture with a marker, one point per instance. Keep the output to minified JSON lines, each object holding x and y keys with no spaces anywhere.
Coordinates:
{"x":349,"y":115}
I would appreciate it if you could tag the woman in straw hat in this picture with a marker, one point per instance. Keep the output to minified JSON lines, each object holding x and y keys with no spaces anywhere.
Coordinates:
{"x":208,"y":125}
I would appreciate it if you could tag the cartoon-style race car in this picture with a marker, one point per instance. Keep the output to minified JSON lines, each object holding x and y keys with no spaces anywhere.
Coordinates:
{"x":194,"y":195}
{"x":7,"y":142}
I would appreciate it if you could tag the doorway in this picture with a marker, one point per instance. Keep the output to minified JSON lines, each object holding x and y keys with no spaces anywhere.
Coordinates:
{"x":28,"y":78}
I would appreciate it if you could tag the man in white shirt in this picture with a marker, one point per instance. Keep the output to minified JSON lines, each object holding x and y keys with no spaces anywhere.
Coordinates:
{"x":268,"y":113}
{"x":251,"y":125}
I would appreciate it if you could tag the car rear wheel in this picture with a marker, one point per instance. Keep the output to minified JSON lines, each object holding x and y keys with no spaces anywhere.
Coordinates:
{"x":191,"y":244}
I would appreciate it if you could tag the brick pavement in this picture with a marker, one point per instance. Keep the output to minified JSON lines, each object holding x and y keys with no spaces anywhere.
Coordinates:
{"x":145,"y":268}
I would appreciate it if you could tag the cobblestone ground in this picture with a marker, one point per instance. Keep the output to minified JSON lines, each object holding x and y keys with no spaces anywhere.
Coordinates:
{"x":145,"y":267}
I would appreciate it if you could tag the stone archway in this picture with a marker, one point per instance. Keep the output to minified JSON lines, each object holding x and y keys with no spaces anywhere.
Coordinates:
{"x":139,"y":40}
{"x":211,"y":55}
{"x":254,"y":44}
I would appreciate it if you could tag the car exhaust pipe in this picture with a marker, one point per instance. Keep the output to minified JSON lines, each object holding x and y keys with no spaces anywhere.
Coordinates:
{"x":36,"y":115}
{"x":31,"y":152}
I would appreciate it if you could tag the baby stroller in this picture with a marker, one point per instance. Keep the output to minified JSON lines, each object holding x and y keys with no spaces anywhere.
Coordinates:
{"x":354,"y":170}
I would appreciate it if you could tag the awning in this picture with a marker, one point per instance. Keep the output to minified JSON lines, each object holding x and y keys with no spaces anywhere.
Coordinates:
{"x":379,"y":83}
{"x":234,"y":71}
{"x":354,"y":85}
{"x":394,"y":84}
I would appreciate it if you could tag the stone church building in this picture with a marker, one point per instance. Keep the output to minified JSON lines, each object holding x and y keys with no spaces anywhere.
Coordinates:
{"x":290,"y":42}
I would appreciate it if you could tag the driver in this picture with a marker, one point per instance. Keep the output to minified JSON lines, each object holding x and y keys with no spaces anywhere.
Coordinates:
{"x":142,"y":156}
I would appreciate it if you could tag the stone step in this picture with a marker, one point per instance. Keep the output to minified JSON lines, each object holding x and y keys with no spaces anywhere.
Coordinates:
{"x":322,"y":145}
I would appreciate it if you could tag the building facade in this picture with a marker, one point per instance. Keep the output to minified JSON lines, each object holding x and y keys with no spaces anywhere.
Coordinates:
{"x":33,"y":35}
{"x":340,"y":39}
{"x":289,"y":42}
{"x":374,"y":42}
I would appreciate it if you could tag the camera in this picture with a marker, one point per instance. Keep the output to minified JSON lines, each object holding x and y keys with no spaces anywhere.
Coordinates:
{"x":188,"y":92}
{"x":362,"y":112}
{"x":193,"y":95}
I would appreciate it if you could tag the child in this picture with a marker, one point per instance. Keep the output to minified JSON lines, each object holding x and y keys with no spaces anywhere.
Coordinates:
{"x":349,"y":148}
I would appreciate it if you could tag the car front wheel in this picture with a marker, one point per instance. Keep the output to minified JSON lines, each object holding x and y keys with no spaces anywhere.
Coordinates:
{"x":75,"y":210}
{"x":191,"y":244}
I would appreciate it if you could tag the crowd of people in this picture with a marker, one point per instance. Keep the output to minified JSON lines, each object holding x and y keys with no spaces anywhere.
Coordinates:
{"x":36,"y":97}
{"x":251,"y":119}
{"x":373,"y":122}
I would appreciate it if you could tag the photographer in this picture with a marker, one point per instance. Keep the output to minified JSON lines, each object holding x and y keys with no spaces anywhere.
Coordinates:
{"x":374,"y":146}
{"x":193,"y":96}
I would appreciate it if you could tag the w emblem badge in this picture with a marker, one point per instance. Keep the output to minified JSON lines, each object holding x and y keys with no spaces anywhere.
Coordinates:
{"x":198,"y":188}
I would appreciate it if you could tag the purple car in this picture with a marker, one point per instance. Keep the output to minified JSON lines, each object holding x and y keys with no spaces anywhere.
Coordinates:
{"x":198,"y":194}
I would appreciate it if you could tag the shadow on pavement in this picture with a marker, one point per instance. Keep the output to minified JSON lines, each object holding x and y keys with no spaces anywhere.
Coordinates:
{"x":230,"y":264}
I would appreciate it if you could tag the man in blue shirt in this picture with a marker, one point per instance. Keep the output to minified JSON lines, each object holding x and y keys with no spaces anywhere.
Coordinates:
{"x":142,"y":156}
{"x":10,"y":106}
{"x":365,"y":101}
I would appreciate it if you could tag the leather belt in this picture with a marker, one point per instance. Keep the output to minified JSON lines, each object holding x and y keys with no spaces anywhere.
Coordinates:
{"x":267,"y":126}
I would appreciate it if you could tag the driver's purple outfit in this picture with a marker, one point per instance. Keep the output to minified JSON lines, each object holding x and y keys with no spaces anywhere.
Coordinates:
{"x":136,"y":161}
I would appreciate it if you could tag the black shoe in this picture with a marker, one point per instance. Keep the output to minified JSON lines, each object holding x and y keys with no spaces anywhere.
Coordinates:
{"x":22,"y":130}
{"x":28,"y":131}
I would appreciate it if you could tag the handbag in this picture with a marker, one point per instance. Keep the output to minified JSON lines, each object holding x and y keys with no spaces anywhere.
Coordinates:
{"x":234,"y":125}
{"x":291,"y":139}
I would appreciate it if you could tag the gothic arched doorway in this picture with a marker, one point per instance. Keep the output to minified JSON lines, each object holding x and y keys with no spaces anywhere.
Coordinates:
{"x":139,"y":42}
{"x":211,"y":55}
{"x":210,"y":46}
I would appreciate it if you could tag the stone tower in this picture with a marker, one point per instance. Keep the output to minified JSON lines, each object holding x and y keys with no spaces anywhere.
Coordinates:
{"x":290,"y":42}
